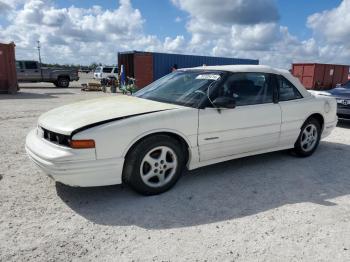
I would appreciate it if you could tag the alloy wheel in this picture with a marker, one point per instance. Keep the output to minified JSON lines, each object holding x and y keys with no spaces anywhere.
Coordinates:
{"x":309,"y":137}
{"x":158,"y":166}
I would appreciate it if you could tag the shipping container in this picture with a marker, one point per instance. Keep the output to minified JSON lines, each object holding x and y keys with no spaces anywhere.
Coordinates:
{"x":320,"y":76}
{"x":8,"y":76}
{"x":147,"y":67}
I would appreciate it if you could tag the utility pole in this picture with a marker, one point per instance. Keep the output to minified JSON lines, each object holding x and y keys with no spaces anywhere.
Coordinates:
{"x":39,"y":52}
{"x":41,"y":70}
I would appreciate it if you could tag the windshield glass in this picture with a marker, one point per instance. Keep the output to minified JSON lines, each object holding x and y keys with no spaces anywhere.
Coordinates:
{"x":98,"y":69}
{"x":185,"y":88}
{"x":107,"y":69}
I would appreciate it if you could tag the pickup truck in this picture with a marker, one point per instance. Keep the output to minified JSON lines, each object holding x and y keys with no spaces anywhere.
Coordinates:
{"x":31,"y":71}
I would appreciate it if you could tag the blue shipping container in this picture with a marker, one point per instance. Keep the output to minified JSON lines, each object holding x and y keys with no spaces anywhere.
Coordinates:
{"x":147,"y":67}
{"x":162,"y":63}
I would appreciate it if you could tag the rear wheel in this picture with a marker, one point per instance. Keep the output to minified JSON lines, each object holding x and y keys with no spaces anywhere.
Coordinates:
{"x":308,"y":139}
{"x":62,"y":82}
{"x":154,"y":165}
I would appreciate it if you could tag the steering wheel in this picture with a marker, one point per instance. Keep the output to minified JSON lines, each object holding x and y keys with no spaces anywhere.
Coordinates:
{"x":200,"y":92}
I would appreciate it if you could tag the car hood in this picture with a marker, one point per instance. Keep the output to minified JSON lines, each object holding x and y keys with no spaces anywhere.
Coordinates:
{"x":340,"y":92}
{"x":69,"y":118}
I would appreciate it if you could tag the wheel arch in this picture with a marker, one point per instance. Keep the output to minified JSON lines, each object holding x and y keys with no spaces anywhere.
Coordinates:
{"x":171,"y":133}
{"x":319,"y":117}
{"x":63,"y":76}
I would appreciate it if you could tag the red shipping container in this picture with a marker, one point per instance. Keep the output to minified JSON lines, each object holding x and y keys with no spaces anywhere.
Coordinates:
{"x":320,"y":76}
{"x":8,"y":75}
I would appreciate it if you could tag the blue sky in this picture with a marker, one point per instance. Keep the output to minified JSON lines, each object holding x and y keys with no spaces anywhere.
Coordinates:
{"x":160,"y":15}
{"x":278,"y":32}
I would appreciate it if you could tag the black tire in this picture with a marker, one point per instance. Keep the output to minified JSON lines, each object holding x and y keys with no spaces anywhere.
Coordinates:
{"x":63,"y":82}
{"x":135,"y":159}
{"x":300,"y":148}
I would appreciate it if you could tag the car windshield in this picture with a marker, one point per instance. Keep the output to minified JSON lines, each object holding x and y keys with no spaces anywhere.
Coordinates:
{"x":107,"y":69}
{"x":185,"y":88}
{"x":98,"y":69}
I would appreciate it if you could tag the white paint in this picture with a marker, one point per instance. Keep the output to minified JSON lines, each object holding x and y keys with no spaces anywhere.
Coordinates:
{"x":211,"y":136}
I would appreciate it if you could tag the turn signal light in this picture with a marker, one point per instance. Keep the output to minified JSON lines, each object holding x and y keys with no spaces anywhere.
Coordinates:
{"x":80,"y":144}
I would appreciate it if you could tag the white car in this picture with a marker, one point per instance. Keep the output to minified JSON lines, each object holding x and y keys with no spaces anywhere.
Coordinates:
{"x":189,"y":118}
{"x":102,"y":72}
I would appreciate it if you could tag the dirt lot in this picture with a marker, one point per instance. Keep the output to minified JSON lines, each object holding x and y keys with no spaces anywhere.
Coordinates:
{"x":272,"y":207}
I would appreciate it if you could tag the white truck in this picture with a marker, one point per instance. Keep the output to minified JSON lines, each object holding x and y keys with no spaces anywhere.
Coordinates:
{"x":102,"y":72}
{"x":31,"y":71}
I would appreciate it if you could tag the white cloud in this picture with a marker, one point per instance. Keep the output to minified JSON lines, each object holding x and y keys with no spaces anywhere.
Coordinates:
{"x":76,"y":35}
{"x":4,"y":8}
{"x":235,"y":28}
{"x":250,"y":29}
{"x":332,"y":25}
{"x":231,"y":11}
{"x":176,"y":45}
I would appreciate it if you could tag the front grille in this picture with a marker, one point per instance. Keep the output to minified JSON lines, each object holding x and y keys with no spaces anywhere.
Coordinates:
{"x":55,"y":137}
{"x":341,"y":106}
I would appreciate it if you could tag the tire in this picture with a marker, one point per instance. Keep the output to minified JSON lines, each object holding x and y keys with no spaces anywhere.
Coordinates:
{"x":308,"y":139}
{"x":63,"y":82}
{"x":154,"y":165}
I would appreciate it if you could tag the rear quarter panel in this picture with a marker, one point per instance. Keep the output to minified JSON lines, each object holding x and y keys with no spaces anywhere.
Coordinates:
{"x":296,"y":112}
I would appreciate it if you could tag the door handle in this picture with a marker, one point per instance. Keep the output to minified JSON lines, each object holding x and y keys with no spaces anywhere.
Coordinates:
{"x":36,"y":71}
{"x":22,"y":71}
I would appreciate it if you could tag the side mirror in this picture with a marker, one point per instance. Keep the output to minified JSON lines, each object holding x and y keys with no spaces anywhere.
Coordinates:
{"x":225,"y":102}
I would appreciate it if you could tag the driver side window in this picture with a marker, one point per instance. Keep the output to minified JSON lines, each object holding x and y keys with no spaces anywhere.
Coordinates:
{"x":248,"y":88}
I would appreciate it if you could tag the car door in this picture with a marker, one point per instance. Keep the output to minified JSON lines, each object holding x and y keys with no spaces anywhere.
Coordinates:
{"x":32,"y":71}
{"x":293,"y":110}
{"x":253,"y":125}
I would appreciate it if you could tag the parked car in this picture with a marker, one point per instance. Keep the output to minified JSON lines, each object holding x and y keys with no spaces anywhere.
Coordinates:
{"x":102,"y":72}
{"x":84,"y":69}
{"x":31,"y":71}
{"x":189,"y":118}
{"x":342,"y":95}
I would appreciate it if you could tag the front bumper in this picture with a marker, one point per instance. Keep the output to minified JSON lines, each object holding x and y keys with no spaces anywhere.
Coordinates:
{"x":343,"y":113}
{"x":73,"y":167}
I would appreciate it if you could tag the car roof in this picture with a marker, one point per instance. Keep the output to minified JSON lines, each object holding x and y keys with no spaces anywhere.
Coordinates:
{"x":243,"y":68}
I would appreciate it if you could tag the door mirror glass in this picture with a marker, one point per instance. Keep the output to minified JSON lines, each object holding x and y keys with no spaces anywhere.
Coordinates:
{"x":225,"y":102}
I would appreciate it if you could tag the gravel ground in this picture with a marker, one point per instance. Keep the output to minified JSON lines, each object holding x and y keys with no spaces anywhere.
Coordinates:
{"x":272,"y":207}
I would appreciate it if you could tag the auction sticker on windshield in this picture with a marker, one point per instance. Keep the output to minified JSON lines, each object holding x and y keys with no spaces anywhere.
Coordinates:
{"x":208,"y":77}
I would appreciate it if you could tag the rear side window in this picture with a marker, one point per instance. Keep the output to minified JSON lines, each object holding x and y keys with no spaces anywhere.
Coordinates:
{"x":30,"y":65}
{"x":107,"y":70}
{"x":287,"y":91}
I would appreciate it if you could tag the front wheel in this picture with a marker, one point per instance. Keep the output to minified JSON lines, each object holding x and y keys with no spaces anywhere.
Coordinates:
{"x":308,"y":139}
{"x":154,"y":165}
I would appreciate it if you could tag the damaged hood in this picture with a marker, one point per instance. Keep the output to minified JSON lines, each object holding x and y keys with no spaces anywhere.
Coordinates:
{"x":68,"y":118}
